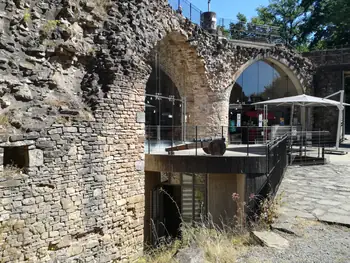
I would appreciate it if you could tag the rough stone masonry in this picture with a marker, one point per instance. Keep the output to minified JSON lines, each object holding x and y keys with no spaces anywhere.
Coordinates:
{"x":72,"y":82}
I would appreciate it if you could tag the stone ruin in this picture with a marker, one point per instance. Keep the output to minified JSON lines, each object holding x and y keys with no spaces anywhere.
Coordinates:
{"x":72,"y":84}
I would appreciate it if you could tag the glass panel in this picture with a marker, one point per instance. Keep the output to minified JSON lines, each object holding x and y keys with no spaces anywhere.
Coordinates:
{"x":200,"y":204}
{"x":199,"y":179}
{"x":187,"y":179}
{"x":187,"y":208}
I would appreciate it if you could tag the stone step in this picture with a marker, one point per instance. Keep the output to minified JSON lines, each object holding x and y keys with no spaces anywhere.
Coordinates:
{"x":270,"y":239}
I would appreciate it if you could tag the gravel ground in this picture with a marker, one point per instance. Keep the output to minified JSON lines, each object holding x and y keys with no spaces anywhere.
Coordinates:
{"x":318,"y":243}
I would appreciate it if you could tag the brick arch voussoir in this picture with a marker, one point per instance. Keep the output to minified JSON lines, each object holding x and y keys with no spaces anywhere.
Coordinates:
{"x":284,"y":63}
{"x":180,"y":61}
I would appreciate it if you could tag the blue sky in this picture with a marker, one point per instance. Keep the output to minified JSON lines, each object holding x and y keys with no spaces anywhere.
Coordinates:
{"x":230,"y":8}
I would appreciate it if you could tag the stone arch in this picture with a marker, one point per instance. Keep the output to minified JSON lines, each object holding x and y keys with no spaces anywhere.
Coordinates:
{"x":281,"y":65}
{"x":180,"y":61}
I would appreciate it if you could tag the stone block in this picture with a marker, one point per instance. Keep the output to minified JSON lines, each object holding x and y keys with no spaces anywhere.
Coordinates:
{"x":66,"y":203}
{"x":15,"y":138}
{"x":270,"y":239}
{"x":10,"y":183}
{"x":135,"y":199}
{"x":55,"y":131}
{"x":121,"y":202}
{"x":100,"y":178}
{"x":70,"y":129}
{"x":97,"y":192}
{"x":75,"y":249}
{"x":140,"y":165}
{"x":70,"y":190}
{"x":28,"y":201}
{"x":54,"y":233}
{"x":140,"y":117}
{"x":36,"y":158}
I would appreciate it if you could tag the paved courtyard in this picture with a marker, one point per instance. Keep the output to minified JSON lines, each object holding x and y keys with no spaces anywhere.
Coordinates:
{"x":318,"y":192}
{"x":309,"y":194}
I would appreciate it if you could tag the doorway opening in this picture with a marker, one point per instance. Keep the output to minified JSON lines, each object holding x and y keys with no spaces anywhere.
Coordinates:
{"x":172,"y":207}
{"x":16,"y":157}
{"x":179,"y":197}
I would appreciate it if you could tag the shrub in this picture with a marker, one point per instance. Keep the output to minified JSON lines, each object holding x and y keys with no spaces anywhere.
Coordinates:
{"x":49,"y":27}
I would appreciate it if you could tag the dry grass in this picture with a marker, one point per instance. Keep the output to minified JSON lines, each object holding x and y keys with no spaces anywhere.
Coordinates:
{"x":163,"y":254}
{"x":10,"y":171}
{"x":4,"y":121}
{"x":220,"y":244}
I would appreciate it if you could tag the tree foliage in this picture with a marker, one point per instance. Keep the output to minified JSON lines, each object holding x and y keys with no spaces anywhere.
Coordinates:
{"x":327,"y":22}
{"x":307,"y":24}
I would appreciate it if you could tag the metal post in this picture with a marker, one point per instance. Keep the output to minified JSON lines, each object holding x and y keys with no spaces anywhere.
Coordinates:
{"x":222,"y":132}
{"x":248,"y":142}
{"x":196,"y":138}
{"x":149,"y":139}
{"x":267,"y":159}
{"x":340,"y":108}
{"x":190,"y":11}
{"x":183,"y":119}
{"x":344,"y":111}
{"x":172,"y":122}
{"x":178,"y":4}
{"x":340,"y":117}
{"x":319,"y":142}
{"x":158,"y":133}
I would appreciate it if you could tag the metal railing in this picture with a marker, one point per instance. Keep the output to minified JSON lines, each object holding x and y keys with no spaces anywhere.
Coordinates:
{"x":277,"y":162}
{"x":230,"y":28}
{"x":334,"y":56}
{"x":242,"y":140}
{"x":248,"y":31}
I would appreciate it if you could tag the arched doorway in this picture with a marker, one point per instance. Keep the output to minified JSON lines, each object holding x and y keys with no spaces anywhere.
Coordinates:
{"x":258,"y":81}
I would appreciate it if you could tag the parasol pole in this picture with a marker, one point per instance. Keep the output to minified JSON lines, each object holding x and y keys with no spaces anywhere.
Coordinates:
{"x":340,"y":116}
{"x":291,"y":133}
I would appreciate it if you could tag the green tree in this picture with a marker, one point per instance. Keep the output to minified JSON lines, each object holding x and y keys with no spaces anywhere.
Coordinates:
{"x":287,"y":15}
{"x":238,"y":30}
{"x":327,"y":22}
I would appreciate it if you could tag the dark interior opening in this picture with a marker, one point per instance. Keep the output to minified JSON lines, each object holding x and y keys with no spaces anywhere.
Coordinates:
{"x":172,"y":218}
{"x":16,"y":156}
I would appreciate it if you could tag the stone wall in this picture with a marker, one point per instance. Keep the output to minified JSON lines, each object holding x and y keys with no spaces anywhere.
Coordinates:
{"x":328,"y":79}
{"x":78,"y":198}
{"x":72,"y":85}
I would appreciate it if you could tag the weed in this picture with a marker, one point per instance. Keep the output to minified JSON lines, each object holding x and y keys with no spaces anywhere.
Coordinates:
{"x":4,"y":121}
{"x":10,"y":171}
{"x":27,"y":16}
{"x":261,"y":211}
{"x":49,"y":27}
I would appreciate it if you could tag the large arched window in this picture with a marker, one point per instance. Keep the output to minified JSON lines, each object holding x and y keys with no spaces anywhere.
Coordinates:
{"x":262,"y":80}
